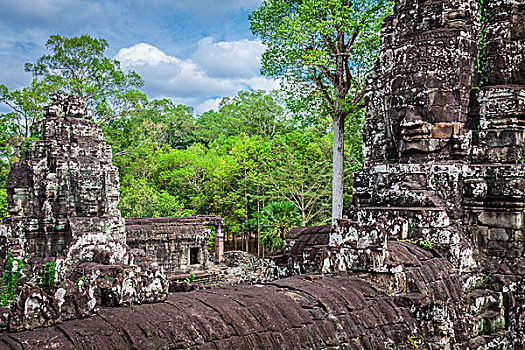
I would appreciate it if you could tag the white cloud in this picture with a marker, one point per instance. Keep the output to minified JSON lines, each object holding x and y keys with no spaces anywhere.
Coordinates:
{"x":204,"y":81}
{"x":208,"y":105}
{"x":240,"y":58}
{"x":144,"y":54}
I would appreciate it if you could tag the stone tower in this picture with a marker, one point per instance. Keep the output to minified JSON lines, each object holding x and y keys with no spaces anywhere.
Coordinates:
{"x":444,"y":156}
{"x":65,"y":186}
{"x":63,"y":201}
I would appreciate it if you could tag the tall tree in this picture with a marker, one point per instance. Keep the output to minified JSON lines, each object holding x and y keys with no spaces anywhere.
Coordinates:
{"x":252,"y":112}
{"x":330,"y":44}
{"x":78,"y":66}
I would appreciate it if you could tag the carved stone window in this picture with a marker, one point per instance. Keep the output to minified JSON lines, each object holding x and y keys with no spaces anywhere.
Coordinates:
{"x":194,"y":256}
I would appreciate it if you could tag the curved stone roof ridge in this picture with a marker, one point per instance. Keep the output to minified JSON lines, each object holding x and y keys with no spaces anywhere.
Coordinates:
{"x":301,"y":312}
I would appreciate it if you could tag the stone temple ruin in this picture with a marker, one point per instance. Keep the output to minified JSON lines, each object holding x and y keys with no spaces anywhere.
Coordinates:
{"x":63,"y":201}
{"x":432,"y":245}
{"x":176,"y":244}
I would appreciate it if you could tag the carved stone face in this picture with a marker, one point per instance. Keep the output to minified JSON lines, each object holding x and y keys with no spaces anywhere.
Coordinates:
{"x":432,"y":79}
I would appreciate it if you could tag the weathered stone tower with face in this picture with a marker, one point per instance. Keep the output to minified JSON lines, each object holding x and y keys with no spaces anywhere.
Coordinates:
{"x":63,"y":201}
{"x":444,"y":149}
{"x":66,"y":186}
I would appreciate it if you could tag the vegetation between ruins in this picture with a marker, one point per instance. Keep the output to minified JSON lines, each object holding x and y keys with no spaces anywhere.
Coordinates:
{"x":11,"y":274}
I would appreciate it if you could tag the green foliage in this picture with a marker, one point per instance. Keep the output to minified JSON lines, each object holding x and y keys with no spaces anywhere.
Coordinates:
{"x":4,"y":213}
{"x":211,"y":240}
{"x":414,"y":343}
{"x":78,"y":66}
{"x":11,"y":275}
{"x":498,"y":324}
{"x":82,"y":280}
{"x":19,"y":124}
{"x":155,"y":123}
{"x":327,"y":48}
{"x":425,"y":244}
{"x":190,"y":279}
{"x":28,"y":143}
{"x":482,"y":42}
{"x":48,"y":276}
{"x":143,"y":200}
{"x":299,"y":171}
{"x":251,"y":112}
{"x":330,"y":45}
{"x":276,"y":220}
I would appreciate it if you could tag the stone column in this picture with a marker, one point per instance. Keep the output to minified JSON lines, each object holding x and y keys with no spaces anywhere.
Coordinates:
{"x":219,"y":242}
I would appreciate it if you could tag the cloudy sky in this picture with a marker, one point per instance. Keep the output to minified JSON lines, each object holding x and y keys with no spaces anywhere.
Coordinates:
{"x":192,"y":51}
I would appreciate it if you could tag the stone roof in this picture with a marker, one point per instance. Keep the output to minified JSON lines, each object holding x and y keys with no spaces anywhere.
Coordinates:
{"x":309,"y":311}
{"x":143,"y":229}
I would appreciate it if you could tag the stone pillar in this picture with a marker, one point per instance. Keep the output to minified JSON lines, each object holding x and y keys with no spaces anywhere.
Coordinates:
{"x":219,"y":242}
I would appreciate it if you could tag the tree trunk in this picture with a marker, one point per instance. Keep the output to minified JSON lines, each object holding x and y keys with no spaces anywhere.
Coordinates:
{"x":337,"y":179}
{"x":258,"y":225}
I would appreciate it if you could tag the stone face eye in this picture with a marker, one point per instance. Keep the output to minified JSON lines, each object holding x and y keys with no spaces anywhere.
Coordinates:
{"x":461,"y":14}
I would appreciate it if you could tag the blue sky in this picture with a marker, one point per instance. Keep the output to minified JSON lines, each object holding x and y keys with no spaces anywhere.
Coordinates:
{"x":192,"y":51}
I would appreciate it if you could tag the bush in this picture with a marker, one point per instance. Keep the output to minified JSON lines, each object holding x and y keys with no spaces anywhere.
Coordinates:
{"x":140,"y":199}
{"x":276,"y":220}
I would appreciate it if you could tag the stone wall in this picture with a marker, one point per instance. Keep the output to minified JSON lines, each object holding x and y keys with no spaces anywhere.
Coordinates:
{"x":170,"y":242}
{"x":444,"y":155}
{"x":369,"y":311}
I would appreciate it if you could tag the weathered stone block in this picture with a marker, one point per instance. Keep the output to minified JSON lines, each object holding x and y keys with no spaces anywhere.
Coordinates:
{"x":512,"y":220}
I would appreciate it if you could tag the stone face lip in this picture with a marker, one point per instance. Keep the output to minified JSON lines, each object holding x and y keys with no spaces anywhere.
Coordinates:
{"x":63,"y":201}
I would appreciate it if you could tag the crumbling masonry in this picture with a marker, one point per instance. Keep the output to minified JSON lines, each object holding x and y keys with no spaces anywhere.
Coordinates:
{"x":63,"y":201}
{"x":444,"y":151}
{"x":432,"y":245}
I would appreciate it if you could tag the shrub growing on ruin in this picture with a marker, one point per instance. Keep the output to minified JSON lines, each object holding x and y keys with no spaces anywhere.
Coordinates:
{"x":11,"y":276}
{"x":276,"y":220}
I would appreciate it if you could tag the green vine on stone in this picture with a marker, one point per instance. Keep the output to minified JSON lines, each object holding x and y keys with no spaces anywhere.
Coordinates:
{"x":423,"y":243}
{"x":48,"y":276}
{"x":28,"y":142}
{"x":10,"y":279}
{"x":414,"y":343}
{"x":482,"y":43}
{"x":211,"y":240}
{"x":81,"y":279}
{"x":190,"y":279}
